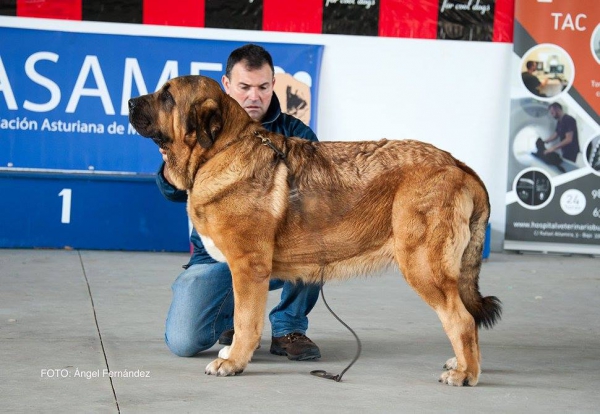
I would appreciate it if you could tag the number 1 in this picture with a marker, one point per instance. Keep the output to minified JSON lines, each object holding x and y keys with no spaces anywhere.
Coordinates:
{"x":66,"y":205}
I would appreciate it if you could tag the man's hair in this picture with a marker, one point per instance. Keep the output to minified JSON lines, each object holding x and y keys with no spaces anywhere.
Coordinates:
{"x":530,"y":64}
{"x":555,"y":105}
{"x":253,"y":57}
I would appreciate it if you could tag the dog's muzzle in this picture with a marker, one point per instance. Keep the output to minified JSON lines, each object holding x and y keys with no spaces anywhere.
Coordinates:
{"x":143,"y":122}
{"x":138,"y":117}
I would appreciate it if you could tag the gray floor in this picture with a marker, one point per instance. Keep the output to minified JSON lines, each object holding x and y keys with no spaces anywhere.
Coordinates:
{"x":73,"y":313}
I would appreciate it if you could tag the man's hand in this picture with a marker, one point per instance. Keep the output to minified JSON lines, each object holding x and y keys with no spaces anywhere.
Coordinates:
{"x":164,"y":154}
{"x":166,"y":171}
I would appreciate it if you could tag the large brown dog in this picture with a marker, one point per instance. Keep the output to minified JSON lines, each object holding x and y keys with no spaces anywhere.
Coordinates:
{"x":293,"y":209}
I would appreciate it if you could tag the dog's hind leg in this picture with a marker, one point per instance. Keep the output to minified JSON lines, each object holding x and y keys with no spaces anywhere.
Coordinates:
{"x":430,"y":238}
{"x":442,"y":295}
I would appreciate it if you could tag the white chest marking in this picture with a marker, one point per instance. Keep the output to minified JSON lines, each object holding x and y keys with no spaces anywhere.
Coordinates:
{"x":212,"y":250}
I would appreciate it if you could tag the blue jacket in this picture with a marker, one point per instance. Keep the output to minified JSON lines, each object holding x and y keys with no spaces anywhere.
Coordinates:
{"x":274,"y":121}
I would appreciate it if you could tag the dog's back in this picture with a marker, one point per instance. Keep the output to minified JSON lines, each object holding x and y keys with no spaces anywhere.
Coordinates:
{"x":342,"y":199}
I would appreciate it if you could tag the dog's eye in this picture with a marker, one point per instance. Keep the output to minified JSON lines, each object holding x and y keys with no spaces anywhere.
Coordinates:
{"x":167,"y":98}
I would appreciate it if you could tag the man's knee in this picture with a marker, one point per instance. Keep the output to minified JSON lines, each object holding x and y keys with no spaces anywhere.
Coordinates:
{"x":186,"y":346}
{"x":202,"y":302}
{"x":186,"y":279}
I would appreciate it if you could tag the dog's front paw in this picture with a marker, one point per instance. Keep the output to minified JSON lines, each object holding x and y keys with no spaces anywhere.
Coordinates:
{"x":223,"y":368}
{"x":458,"y":378}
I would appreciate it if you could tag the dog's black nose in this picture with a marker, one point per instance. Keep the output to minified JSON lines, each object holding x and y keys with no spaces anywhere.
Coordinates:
{"x":131,"y":103}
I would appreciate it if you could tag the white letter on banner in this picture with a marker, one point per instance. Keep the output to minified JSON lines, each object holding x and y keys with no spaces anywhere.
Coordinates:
{"x":5,"y":88}
{"x":132,"y":72}
{"x":43,"y":81}
{"x":170,"y":71}
{"x":196,"y":67}
{"x":91,"y":62}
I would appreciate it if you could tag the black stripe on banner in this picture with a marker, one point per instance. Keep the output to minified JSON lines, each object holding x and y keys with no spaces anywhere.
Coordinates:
{"x":234,"y":14}
{"x":123,"y":11}
{"x":351,"y":17}
{"x":465,"y":20}
{"x":8,"y":7}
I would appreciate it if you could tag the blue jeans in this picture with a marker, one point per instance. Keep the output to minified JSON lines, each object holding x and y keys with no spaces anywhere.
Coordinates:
{"x":202,"y":308}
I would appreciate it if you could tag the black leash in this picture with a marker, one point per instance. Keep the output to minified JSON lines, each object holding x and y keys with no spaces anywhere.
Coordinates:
{"x":324,"y":374}
{"x":318,"y":372}
{"x":268,"y":143}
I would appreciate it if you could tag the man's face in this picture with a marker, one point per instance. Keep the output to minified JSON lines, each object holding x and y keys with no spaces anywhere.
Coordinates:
{"x":252,"y":89}
{"x":554,"y":113}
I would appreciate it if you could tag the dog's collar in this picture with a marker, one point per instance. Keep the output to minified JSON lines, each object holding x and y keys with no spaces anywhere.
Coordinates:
{"x":268,"y":143}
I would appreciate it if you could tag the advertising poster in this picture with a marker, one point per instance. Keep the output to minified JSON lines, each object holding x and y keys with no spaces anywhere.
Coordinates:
{"x":553,"y":188}
{"x":78,"y":175}
{"x":63,"y":95}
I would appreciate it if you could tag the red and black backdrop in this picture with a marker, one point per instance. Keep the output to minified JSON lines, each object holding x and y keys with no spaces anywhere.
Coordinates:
{"x":476,"y":20}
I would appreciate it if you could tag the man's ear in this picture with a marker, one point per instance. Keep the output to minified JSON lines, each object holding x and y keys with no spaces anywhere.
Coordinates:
{"x":226,"y":83}
{"x":205,"y":119}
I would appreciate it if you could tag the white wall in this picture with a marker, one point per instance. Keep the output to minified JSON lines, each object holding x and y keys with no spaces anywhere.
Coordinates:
{"x":453,"y":94}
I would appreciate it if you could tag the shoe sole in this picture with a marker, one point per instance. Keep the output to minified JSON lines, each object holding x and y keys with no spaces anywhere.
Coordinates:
{"x":307,"y":356}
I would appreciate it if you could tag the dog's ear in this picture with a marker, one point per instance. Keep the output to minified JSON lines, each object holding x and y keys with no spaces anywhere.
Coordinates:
{"x":205,"y":118}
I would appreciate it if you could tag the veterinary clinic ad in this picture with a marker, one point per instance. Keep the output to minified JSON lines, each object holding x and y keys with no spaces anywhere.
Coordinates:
{"x":63,"y":95}
{"x":553,"y":188}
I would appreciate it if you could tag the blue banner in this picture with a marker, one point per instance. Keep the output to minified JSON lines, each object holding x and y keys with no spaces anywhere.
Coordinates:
{"x":89,"y":211}
{"x":63,"y":95}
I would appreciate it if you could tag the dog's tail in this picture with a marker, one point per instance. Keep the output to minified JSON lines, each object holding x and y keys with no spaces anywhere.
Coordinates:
{"x":485,"y":310}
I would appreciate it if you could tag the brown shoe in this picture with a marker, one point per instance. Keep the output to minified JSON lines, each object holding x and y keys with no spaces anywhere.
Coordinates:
{"x":296,"y":346}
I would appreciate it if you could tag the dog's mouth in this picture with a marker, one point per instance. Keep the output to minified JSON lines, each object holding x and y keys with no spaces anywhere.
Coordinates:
{"x":141,"y":123}
{"x":160,"y":139}
{"x":139,"y":119}
{"x":144,"y":126}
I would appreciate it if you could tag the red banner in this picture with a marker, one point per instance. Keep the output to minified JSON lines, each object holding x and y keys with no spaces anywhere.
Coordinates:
{"x":470,"y":20}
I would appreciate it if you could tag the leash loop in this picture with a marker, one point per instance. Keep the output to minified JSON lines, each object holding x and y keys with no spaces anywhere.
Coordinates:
{"x":324,"y":374}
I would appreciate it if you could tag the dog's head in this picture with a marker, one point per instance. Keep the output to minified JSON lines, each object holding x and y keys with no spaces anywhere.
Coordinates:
{"x":185,"y":118}
{"x":187,"y":105}
{"x":540,"y":146}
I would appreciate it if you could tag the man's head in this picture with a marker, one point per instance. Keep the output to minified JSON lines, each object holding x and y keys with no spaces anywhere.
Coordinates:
{"x":249,"y":79}
{"x":555,"y":109}
{"x":531,"y":66}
